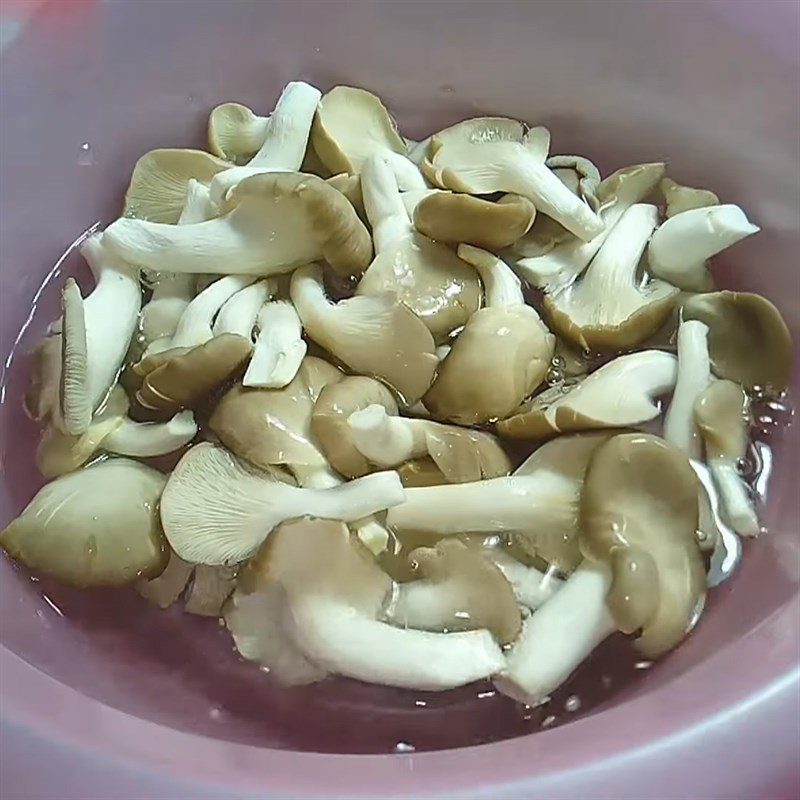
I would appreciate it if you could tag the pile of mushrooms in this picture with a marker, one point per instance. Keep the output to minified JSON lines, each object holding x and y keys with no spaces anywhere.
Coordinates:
{"x":332,"y":330}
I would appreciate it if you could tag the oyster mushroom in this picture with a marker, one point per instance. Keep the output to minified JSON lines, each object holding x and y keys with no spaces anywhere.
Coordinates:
{"x":350,"y":187}
{"x":210,"y":587}
{"x":217,"y":510}
{"x":95,"y":527}
{"x":685,"y":198}
{"x":279,"y":348}
{"x":372,"y":334}
{"x":420,"y":472}
{"x":531,"y":587}
{"x":639,"y":515}
{"x":351,"y":125}
{"x":608,"y":307}
{"x":586,"y":174}
{"x":622,"y":393}
{"x":485,"y":155}
{"x":722,"y":413}
{"x":451,"y":217}
{"x":427,"y":276}
{"x":460,"y":454}
{"x":460,"y":590}
{"x":499,"y":358}
{"x":680,"y":248}
{"x":235,"y":133}
{"x":269,"y":224}
{"x":167,"y":587}
{"x":240,"y":311}
{"x":748,"y":340}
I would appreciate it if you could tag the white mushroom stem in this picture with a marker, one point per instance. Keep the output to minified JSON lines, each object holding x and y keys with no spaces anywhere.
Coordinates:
{"x":532,"y":588}
{"x":194,"y":327}
{"x":349,"y":643}
{"x":418,"y":150}
{"x":198,"y":206}
{"x":501,"y":287}
{"x":387,"y":440}
{"x":385,"y":209}
{"x":681,"y":246}
{"x":694,"y":375}
{"x":735,"y":497}
{"x":557,"y":637}
{"x":279,"y":348}
{"x":240,"y":311}
{"x":148,"y":439}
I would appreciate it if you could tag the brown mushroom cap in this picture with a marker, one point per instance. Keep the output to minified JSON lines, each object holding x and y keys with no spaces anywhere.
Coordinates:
{"x":640,"y":494}
{"x":210,"y":588}
{"x":450,"y":217}
{"x":464,"y":455}
{"x":336,"y":402}
{"x":420,"y":472}
{"x":350,"y":187}
{"x":235,"y":133}
{"x":157,"y":190}
{"x":748,"y":340}
{"x":721,"y":412}
{"x":499,"y":358}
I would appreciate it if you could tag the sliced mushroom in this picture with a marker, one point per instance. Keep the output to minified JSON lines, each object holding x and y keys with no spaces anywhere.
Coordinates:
{"x":95,"y":527}
{"x":685,"y":198}
{"x":240,"y":312}
{"x":639,"y":515}
{"x":235,"y":133}
{"x":279,"y":349}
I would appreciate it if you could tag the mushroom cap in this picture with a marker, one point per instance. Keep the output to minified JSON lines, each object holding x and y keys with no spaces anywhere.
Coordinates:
{"x":420,"y":472}
{"x":235,"y":133}
{"x":95,"y":527}
{"x":451,"y":217}
{"x":42,"y":397}
{"x":182,"y":378}
{"x":273,"y":426}
{"x":499,"y":358}
{"x":464,"y":455}
{"x":640,"y":494}
{"x":209,"y":589}
{"x":722,"y":414}
{"x":350,"y":187}
{"x":685,"y":198}
{"x":336,"y":402}
{"x":466,"y":591}
{"x":165,"y":589}
{"x":429,"y":278}
{"x":157,"y":190}
{"x":350,"y":125}
{"x":748,"y":340}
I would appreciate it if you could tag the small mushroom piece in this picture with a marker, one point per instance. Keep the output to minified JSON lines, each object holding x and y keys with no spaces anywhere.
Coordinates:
{"x":166,"y":588}
{"x":485,"y":155}
{"x":181,"y":378}
{"x":557,"y":637}
{"x":427,"y":276}
{"x":680,"y":248}
{"x":685,"y":198}
{"x":42,"y":399}
{"x":351,"y":125}
{"x":95,"y":527}
{"x":531,"y":587}
{"x":329,"y":421}
{"x":209,"y":589}
{"x":622,"y":393}
{"x":639,"y":515}
{"x":460,"y":454}
{"x":460,"y":590}
{"x":722,"y":414}
{"x":159,"y":182}
{"x":608,"y":307}
{"x":270,"y":223}
{"x":748,"y":340}
{"x":558,"y":258}
{"x":372,"y":334}
{"x":587,"y":174}
{"x":235,"y":133}
{"x":279,"y":349}
{"x":240,"y":312}
{"x":451,"y":217}
{"x":216,"y":510}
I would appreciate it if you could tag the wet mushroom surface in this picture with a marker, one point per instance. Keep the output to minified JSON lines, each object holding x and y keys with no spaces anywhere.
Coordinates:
{"x":413,"y":414}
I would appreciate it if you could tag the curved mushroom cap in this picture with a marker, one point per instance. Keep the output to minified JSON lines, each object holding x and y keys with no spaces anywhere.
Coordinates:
{"x":460,"y":590}
{"x":350,"y":125}
{"x":685,"y":198}
{"x":95,"y":527}
{"x":622,"y":393}
{"x":430,"y":279}
{"x":272,"y":426}
{"x":450,"y":217}
{"x":182,"y":378}
{"x":639,"y":513}
{"x":336,"y":402}
{"x":748,"y":340}
{"x":235,"y":133}
{"x":157,"y":190}
{"x":464,"y":455}
{"x":721,"y":413}
{"x":420,"y":472}
{"x":499,"y":358}
{"x":350,"y":187}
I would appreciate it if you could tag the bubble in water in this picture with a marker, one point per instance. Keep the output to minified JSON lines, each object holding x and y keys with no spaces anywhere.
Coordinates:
{"x":215,"y":713}
{"x":548,"y":721}
{"x":86,"y":155}
{"x":573,"y":703}
{"x":404,"y":747}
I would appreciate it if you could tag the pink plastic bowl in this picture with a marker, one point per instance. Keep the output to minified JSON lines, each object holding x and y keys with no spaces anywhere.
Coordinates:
{"x":118,"y":700}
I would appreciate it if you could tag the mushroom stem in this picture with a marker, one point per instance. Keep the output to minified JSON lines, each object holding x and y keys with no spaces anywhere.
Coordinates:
{"x":501,"y":287}
{"x":148,"y":439}
{"x":405,"y":171}
{"x":160,"y":316}
{"x":682,"y":245}
{"x":532,"y":588}
{"x":557,"y":637}
{"x":694,"y":375}
{"x":377,"y":652}
{"x":198,"y":206}
{"x":736,"y":501}
{"x":385,"y":209}
{"x":239,"y":313}
{"x":387,"y":440}
{"x":279,"y":349}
